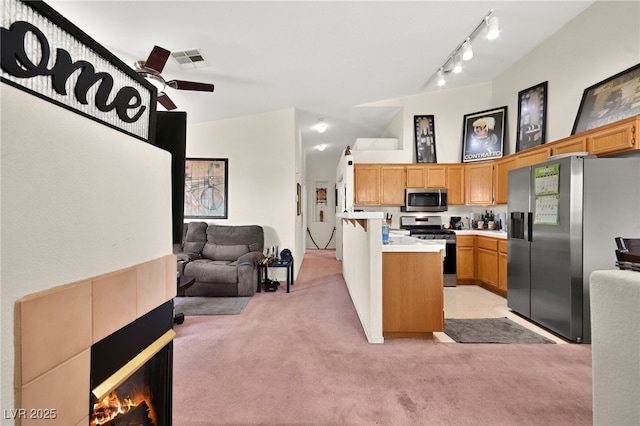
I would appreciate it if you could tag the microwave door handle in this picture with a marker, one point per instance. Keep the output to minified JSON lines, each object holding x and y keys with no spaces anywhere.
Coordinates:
{"x":439,"y":198}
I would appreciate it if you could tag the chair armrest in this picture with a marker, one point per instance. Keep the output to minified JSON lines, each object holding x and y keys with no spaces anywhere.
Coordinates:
{"x":252,"y":258}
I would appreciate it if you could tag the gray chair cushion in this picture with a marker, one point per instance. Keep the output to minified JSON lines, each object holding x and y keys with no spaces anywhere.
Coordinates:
{"x":195,"y":237}
{"x":213,"y":271}
{"x":224,"y":252}
{"x":251,"y":235}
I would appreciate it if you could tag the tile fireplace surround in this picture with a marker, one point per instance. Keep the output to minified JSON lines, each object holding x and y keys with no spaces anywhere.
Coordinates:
{"x":55,"y":328}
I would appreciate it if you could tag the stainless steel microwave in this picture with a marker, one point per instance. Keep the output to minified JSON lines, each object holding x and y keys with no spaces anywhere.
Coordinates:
{"x":425,"y":200}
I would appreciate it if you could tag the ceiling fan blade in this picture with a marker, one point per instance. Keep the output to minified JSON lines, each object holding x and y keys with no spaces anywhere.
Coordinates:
{"x":190,"y":85}
{"x":157,"y":59}
{"x":164,"y":100}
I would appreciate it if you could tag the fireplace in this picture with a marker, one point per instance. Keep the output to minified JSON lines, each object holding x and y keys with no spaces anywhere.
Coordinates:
{"x":131,"y":372}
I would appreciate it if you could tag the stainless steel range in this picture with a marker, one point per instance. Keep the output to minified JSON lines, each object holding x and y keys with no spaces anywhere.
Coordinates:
{"x":430,"y":228}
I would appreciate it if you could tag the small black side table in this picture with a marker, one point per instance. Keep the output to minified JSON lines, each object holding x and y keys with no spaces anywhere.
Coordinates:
{"x":276,"y":263}
{"x":184,"y":282}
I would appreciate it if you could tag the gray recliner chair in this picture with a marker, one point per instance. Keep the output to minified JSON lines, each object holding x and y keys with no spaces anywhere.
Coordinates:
{"x":223,"y":259}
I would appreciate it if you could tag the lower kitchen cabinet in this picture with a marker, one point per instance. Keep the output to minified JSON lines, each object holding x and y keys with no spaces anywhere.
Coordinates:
{"x":487,"y":261}
{"x":412,"y":294}
{"x":465,"y":259}
{"x":502,"y":265}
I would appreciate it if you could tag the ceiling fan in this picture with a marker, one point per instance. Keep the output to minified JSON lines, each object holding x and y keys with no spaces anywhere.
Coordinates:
{"x":151,"y":69}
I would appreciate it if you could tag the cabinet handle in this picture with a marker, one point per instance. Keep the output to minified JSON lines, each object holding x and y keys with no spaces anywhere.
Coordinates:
{"x":633,"y":141}
{"x":633,"y":129}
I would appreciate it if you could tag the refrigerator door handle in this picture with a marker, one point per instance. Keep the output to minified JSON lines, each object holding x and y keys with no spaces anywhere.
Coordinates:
{"x":529,"y":226}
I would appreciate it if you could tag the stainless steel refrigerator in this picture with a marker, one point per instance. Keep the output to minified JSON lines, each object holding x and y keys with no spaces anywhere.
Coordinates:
{"x":563,"y":217}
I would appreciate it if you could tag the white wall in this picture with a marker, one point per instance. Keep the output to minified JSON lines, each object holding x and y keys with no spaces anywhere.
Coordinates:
{"x":78,"y":200}
{"x":264,"y":167}
{"x":599,"y":43}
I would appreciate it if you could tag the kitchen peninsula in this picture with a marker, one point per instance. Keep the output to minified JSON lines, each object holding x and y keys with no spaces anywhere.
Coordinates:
{"x":396,"y":288}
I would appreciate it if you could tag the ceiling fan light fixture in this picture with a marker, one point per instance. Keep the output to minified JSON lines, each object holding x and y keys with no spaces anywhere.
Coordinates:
{"x":156,"y":80}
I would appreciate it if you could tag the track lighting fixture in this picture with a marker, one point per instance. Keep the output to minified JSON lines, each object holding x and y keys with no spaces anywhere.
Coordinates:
{"x":464,"y":51}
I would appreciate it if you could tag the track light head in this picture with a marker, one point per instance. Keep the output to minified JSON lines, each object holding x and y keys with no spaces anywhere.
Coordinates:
{"x":493,"y":28}
{"x":457,"y":64}
{"x":467,"y":51}
{"x":441,"y":79}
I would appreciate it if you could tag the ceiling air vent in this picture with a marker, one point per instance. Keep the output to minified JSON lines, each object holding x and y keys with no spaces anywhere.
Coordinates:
{"x":188,"y":59}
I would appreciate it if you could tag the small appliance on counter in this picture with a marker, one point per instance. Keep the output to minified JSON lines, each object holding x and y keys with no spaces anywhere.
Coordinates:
{"x":456,"y":222}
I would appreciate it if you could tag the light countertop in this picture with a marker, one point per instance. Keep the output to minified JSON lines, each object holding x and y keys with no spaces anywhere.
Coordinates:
{"x":486,"y":233}
{"x":406,"y":243}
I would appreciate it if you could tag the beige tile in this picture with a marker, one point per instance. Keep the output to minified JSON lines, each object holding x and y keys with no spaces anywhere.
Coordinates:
{"x":64,"y":389}
{"x":55,"y":322}
{"x":172,"y":287}
{"x":152,"y":285}
{"x":114,"y":302}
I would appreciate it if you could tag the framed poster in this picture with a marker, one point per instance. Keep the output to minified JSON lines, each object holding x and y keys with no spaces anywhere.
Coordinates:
{"x":425,"y":138}
{"x":483,"y":135}
{"x":611,"y":100}
{"x":206,"y":188}
{"x":532,"y":117}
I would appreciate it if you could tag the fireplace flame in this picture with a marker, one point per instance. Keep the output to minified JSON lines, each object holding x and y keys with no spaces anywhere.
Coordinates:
{"x":111,"y":407}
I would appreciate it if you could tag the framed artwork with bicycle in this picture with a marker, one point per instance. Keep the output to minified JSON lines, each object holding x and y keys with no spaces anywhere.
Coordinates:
{"x":206,"y":188}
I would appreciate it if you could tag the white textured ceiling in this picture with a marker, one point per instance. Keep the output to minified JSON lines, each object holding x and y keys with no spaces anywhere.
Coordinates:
{"x":322,"y":57}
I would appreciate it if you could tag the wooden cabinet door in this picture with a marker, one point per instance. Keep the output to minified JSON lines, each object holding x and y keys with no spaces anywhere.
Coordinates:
{"x":392,"y":185}
{"x":573,"y":144}
{"x":415,"y":177}
{"x":487,"y":256}
{"x":502,"y":265}
{"x":455,"y":184}
{"x":613,"y":138}
{"x":533,"y":156}
{"x":436,"y":177}
{"x":479,"y":184}
{"x":502,"y":167}
{"x":367,"y":184}
{"x":465,"y":257}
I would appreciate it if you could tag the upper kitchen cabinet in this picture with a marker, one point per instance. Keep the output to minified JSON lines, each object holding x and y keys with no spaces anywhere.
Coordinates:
{"x":455,"y":184}
{"x":531,"y":156}
{"x":392,"y":185}
{"x":379,"y":184}
{"x":568,"y":145}
{"x":426,"y":176}
{"x":479,"y":183}
{"x":614,"y":138}
{"x":502,"y":168}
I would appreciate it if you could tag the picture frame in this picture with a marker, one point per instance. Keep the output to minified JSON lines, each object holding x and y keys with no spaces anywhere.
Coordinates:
{"x":425,"y":138}
{"x":611,"y":100}
{"x":532,"y":117}
{"x":206,"y":188}
{"x":483,"y":134}
{"x":298,"y":199}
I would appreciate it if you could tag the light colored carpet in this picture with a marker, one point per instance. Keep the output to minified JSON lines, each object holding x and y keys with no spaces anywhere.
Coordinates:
{"x":490,"y":330}
{"x":192,"y":306}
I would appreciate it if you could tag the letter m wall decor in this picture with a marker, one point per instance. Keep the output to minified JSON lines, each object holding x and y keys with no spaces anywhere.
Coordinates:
{"x":44,"y":54}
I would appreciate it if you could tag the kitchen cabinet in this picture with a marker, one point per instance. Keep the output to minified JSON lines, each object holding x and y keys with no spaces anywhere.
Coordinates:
{"x":502,"y":168}
{"x":426,"y":176}
{"x":412,"y":294}
{"x":378,"y":185}
{"x":455,"y":184}
{"x":487,"y":255}
{"x":465,"y":259}
{"x":367,"y":184}
{"x":502,"y":266}
{"x":392,"y":185}
{"x":533,"y":156}
{"x":614,"y":138}
{"x":572,"y":144}
{"x":479,"y":183}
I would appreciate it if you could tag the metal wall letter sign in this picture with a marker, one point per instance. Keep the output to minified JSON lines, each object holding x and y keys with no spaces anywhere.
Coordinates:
{"x":44,"y":54}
